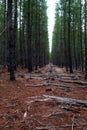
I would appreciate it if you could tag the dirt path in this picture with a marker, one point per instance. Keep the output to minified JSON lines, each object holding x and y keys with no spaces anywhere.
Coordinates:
{"x":37,"y":101}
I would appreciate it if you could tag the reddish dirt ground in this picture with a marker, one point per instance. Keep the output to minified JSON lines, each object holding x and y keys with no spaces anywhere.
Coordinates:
{"x":24,"y":106}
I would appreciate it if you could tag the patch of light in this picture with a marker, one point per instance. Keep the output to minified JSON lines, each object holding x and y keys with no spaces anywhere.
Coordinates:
{"x":51,"y":19}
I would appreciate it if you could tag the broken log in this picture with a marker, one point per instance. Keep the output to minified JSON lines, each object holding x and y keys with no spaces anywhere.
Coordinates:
{"x":77,"y":82}
{"x":68,"y":100}
{"x":48,"y":84}
{"x":60,"y":86}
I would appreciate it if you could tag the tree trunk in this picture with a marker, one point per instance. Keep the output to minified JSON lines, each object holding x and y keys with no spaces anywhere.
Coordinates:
{"x":85,"y":28}
{"x":15,"y":31}
{"x":29,"y":37}
{"x":11,"y":41}
{"x":21,"y":42}
{"x":65,"y":45}
{"x":69,"y":37}
{"x":81,"y":35}
{"x":36,"y":40}
{"x":74,"y":43}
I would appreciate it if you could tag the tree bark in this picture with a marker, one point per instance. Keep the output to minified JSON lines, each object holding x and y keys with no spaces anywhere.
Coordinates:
{"x":11,"y":41}
{"x":29,"y":35}
{"x":85,"y":28}
{"x":69,"y":37}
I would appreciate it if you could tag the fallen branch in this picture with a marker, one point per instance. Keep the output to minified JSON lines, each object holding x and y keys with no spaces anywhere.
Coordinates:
{"x":68,"y":87}
{"x":38,"y":100}
{"x":48,"y":84}
{"x":66,"y":75}
{"x":61,"y":86}
{"x":53,"y":114}
{"x":79,"y":87}
{"x":70,"y":81}
{"x":3,"y":115}
{"x":68,"y":100}
{"x":36,"y":85}
{"x":69,"y":109}
{"x":73,"y":123}
{"x":53,"y":127}
{"x":46,"y":128}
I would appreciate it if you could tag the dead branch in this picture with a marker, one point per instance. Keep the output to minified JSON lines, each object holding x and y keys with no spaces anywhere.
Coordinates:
{"x":73,"y":122}
{"x":53,"y":114}
{"x":53,"y":127}
{"x":48,"y":84}
{"x":35,"y":85}
{"x":47,"y":128}
{"x":68,"y":100}
{"x":61,"y":86}
{"x":69,"y":109}
{"x":77,"y":82}
{"x":80,"y":87}
{"x":38,"y":100}
{"x":61,"y":100}
{"x":3,"y":115}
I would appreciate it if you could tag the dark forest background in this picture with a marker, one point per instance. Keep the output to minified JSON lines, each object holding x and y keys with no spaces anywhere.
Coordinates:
{"x":24,"y":34}
{"x":24,"y":38}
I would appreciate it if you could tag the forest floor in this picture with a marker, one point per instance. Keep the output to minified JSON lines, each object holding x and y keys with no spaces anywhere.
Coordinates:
{"x":46,"y":99}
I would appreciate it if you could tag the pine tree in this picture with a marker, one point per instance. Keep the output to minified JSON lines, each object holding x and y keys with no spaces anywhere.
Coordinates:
{"x":85,"y":28}
{"x":11,"y":41}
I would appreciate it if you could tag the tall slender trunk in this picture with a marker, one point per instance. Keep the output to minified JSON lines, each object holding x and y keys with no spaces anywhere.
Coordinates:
{"x":15,"y":32}
{"x":39,"y":48}
{"x":11,"y":42}
{"x":61,"y":46}
{"x":65,"y":45}
{"x":81,"y":36}
{"x":74,"y":43}
{"x":29,"y":42}
{"x":5,"y":34}
{"x":21,"y":43}
{"x":85,"y":28}
{"x":36,"y":39}
{"x":69,"y":38}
